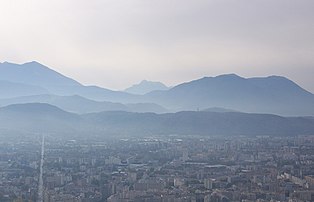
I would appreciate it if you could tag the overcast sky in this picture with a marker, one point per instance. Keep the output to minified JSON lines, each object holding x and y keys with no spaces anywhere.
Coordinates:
{"x":116,"y":43}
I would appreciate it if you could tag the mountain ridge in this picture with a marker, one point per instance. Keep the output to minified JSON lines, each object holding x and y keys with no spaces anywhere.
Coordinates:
{"x":36,"y":74}
{"x":272,"y":94}
{"x":26,"y":72}
{"x":80,"y":105}
{"x":38,"y":117}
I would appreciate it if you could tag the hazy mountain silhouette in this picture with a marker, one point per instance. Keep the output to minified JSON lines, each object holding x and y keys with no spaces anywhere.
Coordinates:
{"x":145,"y":107}
{"x":145,"y":87}
{"x":203,"y":123}
{"x":37,"y":109}
{"x":78,"y":104}
{"x":218,"y":109}
{"x":11,"y":89}
{"x":274,"y":94}
{"x":37,"y":117}
{"x":36,"y":74}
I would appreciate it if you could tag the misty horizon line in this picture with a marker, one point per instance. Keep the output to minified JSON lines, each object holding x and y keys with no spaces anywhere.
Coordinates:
{"x":165,"y":83}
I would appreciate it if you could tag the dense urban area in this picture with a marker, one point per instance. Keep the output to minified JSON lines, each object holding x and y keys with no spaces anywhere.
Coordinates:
{"x":157,"y":169}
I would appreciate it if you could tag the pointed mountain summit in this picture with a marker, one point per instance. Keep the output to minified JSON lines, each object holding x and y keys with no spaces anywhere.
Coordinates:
{"x":145,"y":87}
{"x":34,"y":73}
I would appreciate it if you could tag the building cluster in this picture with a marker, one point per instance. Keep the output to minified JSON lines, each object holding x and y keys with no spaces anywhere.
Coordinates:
{"x":161,"y":169}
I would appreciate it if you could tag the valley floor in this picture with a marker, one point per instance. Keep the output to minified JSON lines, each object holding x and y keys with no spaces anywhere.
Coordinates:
{"x":168,"y":168}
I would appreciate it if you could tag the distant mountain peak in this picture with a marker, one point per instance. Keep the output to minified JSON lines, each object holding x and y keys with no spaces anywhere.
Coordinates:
{"x":229,"y":76}
{"x":26,"y":63}
{"x":6,"y":62}
{"x":220,"y":77}
{"x":273,"y":94}
{"x":33,"y":108}
{"x":146,"y":86}
{"x":278,"y":77}
{"x":34,"y":73}
{"x":37,"y":65}
{"x":33,"y":63}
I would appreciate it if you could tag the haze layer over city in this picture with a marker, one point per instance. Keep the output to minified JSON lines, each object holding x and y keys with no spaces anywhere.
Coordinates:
{"x":161,"y":100}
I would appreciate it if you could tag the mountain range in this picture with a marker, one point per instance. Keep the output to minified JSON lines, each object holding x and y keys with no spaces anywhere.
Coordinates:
{"x":273,"y":94}
{"x":81,"y":105}
{"x":34,"y":97}
{"x":37,"y":75}
{"x":45,"y":118}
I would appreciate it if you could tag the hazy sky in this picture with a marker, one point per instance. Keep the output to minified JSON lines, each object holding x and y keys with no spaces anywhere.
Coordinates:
{"x":115,"y":43}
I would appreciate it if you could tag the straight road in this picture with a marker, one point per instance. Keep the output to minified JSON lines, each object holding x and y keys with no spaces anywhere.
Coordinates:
{"x":40,"y":181}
